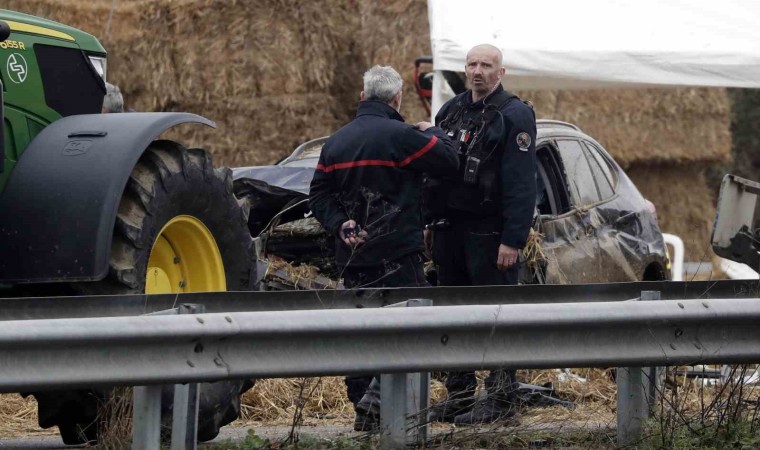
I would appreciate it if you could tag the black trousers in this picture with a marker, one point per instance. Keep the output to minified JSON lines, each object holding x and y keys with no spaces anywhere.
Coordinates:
{"x":406,"y":271}
{"x":465,"y":254}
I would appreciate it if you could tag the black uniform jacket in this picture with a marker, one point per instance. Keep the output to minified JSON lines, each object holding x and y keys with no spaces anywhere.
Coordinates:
{"x":371,"y":171}
{"x":512,"y":198}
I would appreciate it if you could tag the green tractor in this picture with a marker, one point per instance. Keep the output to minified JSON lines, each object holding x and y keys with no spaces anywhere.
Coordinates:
{"x":95,"y":203}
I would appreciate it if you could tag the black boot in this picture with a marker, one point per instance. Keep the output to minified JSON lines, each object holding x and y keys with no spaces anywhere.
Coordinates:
{"x":491,"y":409}
{"x":453,"y":405}
{"x":356,"y":386}
{"x":368,"y":409}
{"x":500,"y":402}
{"x":461,"y":387}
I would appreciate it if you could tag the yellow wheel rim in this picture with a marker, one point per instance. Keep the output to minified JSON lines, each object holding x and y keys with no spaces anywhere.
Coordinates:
{"x":185,"y":258}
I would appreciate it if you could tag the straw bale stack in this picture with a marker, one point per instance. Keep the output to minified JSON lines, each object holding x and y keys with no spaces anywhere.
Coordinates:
{"x":167,"y":53}
{"x":238,"y":50}
{"x":652,"y":125}
{"x":275,"y":73}
{"x":256,"y":130}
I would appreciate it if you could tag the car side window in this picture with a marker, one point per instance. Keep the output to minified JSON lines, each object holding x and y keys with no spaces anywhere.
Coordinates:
{"x":580,"y":178}
{"x":600,"y":164}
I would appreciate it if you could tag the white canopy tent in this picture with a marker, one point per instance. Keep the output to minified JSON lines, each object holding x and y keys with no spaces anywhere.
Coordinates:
{"x":564,"y":44}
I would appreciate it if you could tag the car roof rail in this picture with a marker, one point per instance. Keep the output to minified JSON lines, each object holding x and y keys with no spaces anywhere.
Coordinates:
{"x":300,"y":149}
{"x":548,"y":123}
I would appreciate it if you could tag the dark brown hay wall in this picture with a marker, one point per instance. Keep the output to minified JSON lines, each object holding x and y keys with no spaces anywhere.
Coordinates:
{"x":275,"y":73}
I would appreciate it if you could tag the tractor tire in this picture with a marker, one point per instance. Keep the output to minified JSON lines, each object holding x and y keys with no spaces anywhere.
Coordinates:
{"x":179,"y":228}
{"x":170,"y":183}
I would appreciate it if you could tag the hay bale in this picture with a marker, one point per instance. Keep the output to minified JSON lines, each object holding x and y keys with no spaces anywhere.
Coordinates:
{"x":651,"y":125}
{"x":260,"y":130}
{"x":88,"y":16}
{"x":251,"y":58}
{"x":395,"y":32}
{"x":270,"y":80}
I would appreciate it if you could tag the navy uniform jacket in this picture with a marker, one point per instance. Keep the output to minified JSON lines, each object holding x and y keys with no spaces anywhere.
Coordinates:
{"x":371,"y":171}
{"x":512,"y":199}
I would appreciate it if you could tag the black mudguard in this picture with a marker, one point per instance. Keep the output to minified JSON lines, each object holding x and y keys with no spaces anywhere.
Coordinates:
{"x":58,"y":210}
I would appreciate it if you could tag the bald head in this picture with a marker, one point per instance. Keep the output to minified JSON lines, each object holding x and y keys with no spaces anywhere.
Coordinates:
{"x":488,"y":50}
{"x":484,"y":70}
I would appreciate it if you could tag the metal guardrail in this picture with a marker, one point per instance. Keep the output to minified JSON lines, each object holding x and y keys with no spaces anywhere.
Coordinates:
{"x":30,"y":308}
{"x":71,"y":353}
{"x":161,"y":349}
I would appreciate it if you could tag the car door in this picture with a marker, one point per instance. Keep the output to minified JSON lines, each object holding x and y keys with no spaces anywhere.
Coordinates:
{"x":569,"y":242}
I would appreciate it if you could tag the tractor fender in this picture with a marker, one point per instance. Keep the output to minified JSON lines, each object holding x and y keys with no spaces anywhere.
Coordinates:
{"x":58,"y":209}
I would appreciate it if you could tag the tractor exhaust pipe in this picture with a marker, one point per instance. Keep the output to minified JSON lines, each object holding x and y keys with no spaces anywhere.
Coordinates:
{"x":5,"y":31}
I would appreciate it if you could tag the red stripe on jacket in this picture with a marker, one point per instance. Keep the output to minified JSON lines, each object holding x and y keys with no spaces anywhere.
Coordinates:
{"x":380,"y":162}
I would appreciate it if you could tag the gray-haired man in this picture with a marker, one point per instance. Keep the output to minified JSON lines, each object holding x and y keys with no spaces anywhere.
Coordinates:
{"x":113,"y":101}
{"x":366,"y":192}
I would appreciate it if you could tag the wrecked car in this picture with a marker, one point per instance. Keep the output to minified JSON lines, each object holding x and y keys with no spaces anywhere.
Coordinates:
{"x":591,"y":224}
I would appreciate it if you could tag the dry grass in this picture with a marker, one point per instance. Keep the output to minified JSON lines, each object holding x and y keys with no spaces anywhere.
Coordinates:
{"x":322,"y":401}
{"x":275,"y":401}
{"x":116,"y":414}
{"x":533,"y":253}
{"x":18,"y":417}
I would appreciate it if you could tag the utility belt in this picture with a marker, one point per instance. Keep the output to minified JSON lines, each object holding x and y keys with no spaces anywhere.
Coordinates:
{"x":476,"y":224}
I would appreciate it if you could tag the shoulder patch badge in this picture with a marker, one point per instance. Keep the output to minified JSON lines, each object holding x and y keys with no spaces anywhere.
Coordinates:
{"x":523,"y":141}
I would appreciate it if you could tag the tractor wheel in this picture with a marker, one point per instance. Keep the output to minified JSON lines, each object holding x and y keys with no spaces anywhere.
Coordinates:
{"x":179,"y":229}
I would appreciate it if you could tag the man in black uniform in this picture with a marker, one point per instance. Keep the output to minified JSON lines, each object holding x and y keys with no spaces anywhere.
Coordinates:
{"x":481,"y":218}
{"x":366,"y":192}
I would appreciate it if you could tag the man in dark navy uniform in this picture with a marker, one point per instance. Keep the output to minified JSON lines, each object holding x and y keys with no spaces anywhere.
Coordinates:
{"x":366,"y":192}
{"x":481,"y":218}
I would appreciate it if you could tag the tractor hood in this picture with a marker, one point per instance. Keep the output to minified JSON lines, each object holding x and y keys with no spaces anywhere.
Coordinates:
{"x":24,"y":23}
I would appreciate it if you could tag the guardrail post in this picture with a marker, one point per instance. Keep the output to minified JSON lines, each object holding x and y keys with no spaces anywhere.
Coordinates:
{"x":146,"y":432}
{"x":185,"y":417}
{"x":654,"y":375}
{"x":186,"y":398}
{"x":404,"y":398}
{"x":636,"y":392}
{"x":146,"y":422}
